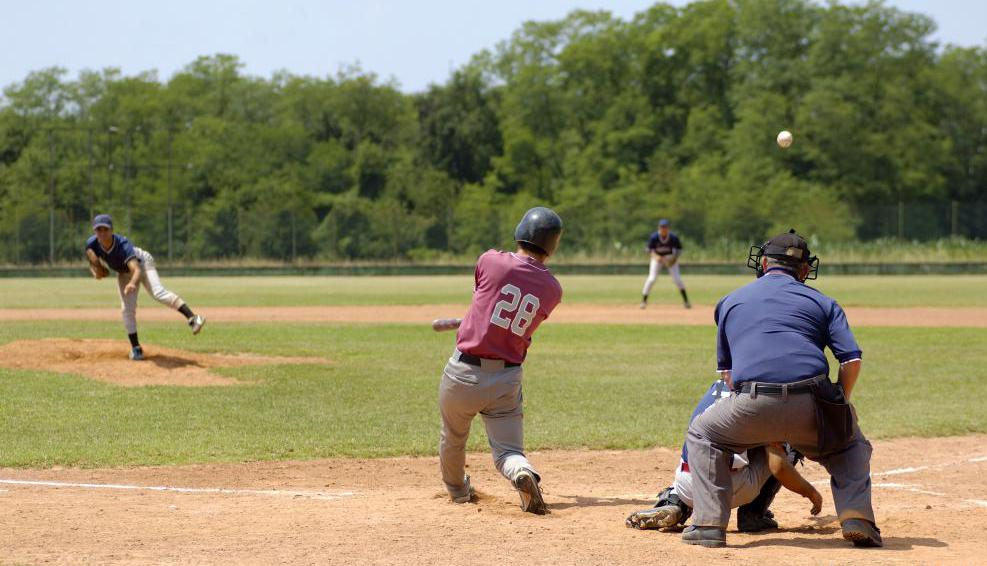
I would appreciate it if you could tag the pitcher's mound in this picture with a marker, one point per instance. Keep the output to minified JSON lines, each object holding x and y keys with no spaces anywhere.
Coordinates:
{"x":106,"y":360}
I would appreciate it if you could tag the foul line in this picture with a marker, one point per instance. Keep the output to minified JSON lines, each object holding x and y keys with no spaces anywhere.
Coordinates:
{"x":200,"y":490}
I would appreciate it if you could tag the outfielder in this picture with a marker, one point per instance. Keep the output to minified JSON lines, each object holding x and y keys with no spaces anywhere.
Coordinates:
{"x":664,"y":247}
{"x":756,"y":476}
{"x":770,"y":341}
{"x":133,"y":266}
{"x":513,"y":293}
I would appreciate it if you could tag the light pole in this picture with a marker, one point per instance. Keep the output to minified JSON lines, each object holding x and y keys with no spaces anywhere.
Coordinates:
{"x":171,"y":135}
{"x":51,"y":197}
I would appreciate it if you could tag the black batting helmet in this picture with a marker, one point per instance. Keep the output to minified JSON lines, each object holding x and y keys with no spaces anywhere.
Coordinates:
{"x":540,"y":227}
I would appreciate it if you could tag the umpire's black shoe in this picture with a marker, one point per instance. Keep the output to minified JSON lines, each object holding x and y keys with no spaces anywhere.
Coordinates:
{"x":710,"y":537}
{"x":862,"y":534}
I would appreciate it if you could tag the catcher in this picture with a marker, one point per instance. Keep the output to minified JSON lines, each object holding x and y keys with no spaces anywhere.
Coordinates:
{"x":133,"y":266}
{"x":757,"y":475}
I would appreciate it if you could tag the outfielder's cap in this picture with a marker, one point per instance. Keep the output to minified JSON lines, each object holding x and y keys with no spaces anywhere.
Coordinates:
{"x":788,"y":247}
{"x":103,"y":220}
{"x":663,"y":222}
{"x":541,"y":227}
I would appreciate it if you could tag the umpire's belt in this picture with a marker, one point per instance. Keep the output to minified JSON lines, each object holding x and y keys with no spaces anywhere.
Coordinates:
{"x":482,"y":362}
{"x":755,"y":388}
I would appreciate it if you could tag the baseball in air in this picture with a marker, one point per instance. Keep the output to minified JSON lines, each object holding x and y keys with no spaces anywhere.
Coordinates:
{"x":784,"y":139}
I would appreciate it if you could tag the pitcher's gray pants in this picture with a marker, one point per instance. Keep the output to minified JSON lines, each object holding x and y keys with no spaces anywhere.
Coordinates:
{"x":493,"y":392}
{"x":152,"y":283}
{"x":743,"y":421}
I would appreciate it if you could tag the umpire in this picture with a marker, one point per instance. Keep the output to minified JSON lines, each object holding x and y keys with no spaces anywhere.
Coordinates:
{"x":770,"y":340}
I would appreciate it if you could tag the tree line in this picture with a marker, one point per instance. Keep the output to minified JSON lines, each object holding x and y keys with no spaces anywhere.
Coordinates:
{"x":615,"y":123}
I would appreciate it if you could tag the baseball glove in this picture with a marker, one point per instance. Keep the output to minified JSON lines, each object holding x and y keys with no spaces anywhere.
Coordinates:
{"x":98,"y":270}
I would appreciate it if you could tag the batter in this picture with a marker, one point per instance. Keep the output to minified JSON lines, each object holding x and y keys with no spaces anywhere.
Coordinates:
{"x":133,"y":266}
{"x":514,"y":292}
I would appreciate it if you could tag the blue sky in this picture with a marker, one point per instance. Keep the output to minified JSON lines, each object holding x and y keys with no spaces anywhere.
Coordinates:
{"x":416,"y":43}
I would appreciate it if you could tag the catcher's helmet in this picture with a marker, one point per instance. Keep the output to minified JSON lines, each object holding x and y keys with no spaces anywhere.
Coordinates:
{"x":789,"y":249}
{"x":541,"y":227}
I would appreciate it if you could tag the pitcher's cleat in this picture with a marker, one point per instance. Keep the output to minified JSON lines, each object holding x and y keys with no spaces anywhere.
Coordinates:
{"x":531,"y":499}
{"x":643,"y":305}
{"x":863,"y":534}
{"x":136,"y":354}
{"x":196,"y":323}
{"x":663,"y":517}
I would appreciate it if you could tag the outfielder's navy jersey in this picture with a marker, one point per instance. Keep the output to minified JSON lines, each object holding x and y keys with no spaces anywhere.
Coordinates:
{"x":664,"y":246}
{"x":775,"y":328}
{"x":117,"y":256}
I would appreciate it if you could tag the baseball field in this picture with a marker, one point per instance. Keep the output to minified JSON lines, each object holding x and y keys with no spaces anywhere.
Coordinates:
{"x":301,"y":425}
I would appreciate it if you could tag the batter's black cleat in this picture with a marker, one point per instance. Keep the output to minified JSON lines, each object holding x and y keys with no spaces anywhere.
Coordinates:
{"x":664,"y":517}
{"x":710,"y":537}
{"x":531,"y":499}
{"x":467,"y":496}
{"x":863,"y":534}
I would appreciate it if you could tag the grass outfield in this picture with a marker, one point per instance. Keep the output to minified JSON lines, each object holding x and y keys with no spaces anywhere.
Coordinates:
{"x":586,"y":386}
{"x":877,"y":291}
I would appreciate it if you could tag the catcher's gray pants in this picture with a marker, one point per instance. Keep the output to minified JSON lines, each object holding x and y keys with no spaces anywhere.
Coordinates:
{"x":495,"y":393}
{"x":746,"y":482}
{"x":150,"y":280}
{"x":655,"y":268}
{"x":743,"y":421}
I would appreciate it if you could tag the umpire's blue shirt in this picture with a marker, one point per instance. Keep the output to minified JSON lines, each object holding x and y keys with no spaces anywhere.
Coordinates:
{"x":775,"y":328}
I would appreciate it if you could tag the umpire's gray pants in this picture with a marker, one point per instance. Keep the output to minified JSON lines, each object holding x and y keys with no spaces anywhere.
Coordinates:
{"x":741,"y":422}
{"x":494,"y":393}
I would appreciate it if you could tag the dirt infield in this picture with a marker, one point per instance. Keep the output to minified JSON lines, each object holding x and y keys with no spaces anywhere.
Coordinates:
{"x":106,"y":360}
{"x":930,"y":496}
{"x":566,"y":313}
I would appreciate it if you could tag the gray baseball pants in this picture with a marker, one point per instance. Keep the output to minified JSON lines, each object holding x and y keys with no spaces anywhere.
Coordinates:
{"x":152,"y":283}
{"x":743,"y":421}
{"x":493,"y":392}
{"x":746,"y":483}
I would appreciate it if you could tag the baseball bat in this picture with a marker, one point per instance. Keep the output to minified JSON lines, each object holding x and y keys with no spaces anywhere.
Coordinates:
{"x":442,"y":324}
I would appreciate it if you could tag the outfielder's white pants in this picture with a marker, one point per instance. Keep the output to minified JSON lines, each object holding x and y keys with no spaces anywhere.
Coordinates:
{"x":150,"y":280}
{"x":655,"y":269}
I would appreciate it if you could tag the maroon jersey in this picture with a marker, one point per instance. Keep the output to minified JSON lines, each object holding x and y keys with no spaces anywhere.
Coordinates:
{"x":512,"y":295}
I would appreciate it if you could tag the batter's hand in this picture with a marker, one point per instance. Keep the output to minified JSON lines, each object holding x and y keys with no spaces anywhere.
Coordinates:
{"x":130,"y":288}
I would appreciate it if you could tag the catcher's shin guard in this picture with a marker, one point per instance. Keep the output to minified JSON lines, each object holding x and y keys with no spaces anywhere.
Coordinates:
{"x":668,"y":497}
{"x":755,"y":516}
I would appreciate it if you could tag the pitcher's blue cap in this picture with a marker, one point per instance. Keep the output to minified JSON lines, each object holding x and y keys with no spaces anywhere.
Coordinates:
{"x":102,"y":220}
{"x":663,"y":222}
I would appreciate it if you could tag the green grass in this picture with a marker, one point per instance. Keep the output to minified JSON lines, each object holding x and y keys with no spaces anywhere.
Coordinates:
{"x":880,"y":291}
{"x":585,"y":386}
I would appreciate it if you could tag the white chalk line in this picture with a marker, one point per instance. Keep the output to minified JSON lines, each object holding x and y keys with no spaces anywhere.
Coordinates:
{"x":977,"y":502}
{"x":324,"y":496}
{"x":914,"y":488}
